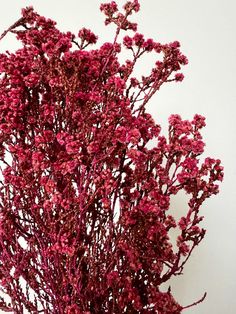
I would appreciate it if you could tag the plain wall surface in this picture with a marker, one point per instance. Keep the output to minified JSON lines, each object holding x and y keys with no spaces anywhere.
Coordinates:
{"x":206,"y":30}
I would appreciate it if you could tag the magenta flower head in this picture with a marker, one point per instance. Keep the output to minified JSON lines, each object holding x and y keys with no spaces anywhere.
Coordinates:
{"x":85,"y":225}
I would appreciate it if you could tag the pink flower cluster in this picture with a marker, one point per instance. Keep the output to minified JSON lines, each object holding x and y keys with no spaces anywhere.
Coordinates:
{"x":82,"y":188}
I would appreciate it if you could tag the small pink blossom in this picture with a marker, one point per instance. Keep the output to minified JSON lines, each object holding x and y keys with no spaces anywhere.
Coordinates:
{"x":179,"y":77}
{"x":133,"y":136}
{"x":199,"y":121}
{"x":128,"y":42}
{"x":87,"y":35}
{"x":37,"y":158}
{"x":138,"y":39}
{"x":72,"y":147}
{"x":149,"y":45}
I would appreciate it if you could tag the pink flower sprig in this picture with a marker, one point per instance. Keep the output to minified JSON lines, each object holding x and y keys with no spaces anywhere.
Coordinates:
{"x":85,"y":225}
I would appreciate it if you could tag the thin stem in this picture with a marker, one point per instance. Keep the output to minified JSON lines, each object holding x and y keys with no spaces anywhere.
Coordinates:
{"x":196,"y":303}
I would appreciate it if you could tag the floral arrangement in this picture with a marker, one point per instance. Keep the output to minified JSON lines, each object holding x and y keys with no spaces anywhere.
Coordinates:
{"x":84,"y":203}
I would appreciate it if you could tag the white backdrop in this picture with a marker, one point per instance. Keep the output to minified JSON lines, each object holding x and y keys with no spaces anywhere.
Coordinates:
{"x":206,"y":30}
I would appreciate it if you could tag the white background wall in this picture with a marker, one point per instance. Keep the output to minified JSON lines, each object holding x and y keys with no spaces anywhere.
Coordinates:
{"x":206,"y":30}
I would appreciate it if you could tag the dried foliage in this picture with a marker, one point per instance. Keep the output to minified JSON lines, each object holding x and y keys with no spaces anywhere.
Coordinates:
{"x":84,"y":203}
